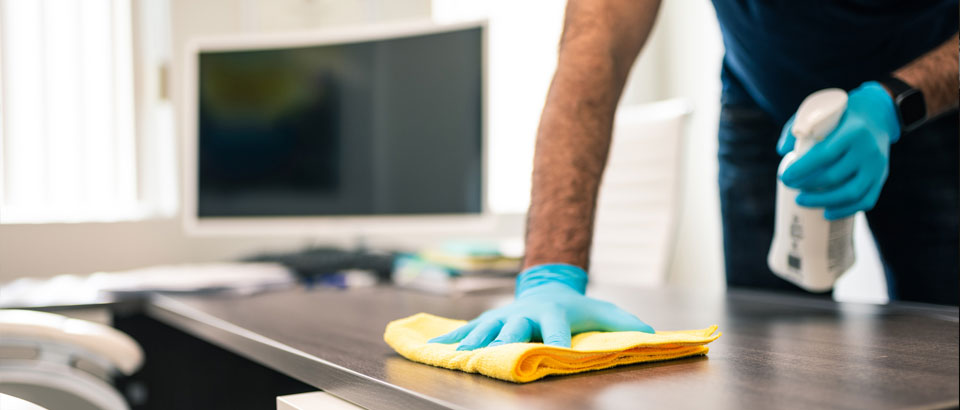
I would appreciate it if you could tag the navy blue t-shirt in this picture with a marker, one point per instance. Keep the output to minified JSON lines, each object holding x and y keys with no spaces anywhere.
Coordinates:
{"x":780,"y":51}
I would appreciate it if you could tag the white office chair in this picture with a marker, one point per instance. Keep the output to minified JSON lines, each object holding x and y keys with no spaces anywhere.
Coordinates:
{"x":639,"y":198}
{"x":61,"y":363}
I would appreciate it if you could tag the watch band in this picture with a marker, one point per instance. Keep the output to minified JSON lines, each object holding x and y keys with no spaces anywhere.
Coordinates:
{"x":910,"y":103}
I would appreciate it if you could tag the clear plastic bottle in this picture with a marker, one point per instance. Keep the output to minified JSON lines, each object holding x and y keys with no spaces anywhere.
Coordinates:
{"x":807,"y":249}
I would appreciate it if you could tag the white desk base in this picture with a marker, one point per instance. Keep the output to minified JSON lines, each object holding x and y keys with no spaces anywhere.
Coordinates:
{"x":313,"y":401}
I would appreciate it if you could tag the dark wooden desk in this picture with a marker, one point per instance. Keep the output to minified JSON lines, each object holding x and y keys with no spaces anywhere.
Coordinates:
{"x":776,"y":351}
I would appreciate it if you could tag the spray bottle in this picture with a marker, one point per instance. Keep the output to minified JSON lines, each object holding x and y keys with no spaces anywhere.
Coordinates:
{"x":809,"y":250}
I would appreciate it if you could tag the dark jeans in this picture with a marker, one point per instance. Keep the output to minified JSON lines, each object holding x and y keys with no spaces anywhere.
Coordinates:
{"x":916,"y":221}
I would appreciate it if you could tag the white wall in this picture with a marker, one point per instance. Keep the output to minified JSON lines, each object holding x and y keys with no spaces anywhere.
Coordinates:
{"x":683,"y":61}
{"x":50,"y":249}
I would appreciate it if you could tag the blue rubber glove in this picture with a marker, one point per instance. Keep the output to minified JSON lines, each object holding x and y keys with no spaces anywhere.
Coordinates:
{"x":845,"y":172}
{"x":550,"y":306}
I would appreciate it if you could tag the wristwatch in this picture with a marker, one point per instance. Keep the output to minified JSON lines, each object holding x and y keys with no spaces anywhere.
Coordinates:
{"x":911,"y":107}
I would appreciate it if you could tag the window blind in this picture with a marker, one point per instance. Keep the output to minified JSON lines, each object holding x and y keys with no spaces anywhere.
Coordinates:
{"x":67,"y":140}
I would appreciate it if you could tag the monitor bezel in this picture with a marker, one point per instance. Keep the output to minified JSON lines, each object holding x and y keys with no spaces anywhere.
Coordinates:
{"x":319,"y":226}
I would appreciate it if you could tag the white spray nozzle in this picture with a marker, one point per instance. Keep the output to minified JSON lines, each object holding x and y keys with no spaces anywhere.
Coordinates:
{"x":819,"y":114}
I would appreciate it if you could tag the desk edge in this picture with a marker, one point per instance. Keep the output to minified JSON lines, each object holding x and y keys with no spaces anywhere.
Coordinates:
{"x":337,"y":380}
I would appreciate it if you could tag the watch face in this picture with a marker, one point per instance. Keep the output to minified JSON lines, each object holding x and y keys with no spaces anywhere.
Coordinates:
{"x":912,"y":108}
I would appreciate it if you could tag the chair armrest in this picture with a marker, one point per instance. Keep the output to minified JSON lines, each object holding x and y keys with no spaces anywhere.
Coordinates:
{"x":116,"y":347}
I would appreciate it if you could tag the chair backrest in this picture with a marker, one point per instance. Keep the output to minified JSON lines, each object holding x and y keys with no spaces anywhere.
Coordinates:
{"x":639,"y":196}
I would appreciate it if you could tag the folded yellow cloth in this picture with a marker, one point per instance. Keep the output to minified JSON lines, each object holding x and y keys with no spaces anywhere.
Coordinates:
{"x":526,"y":362}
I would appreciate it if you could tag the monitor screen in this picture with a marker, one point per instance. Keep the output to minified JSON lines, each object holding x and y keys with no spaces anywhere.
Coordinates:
{"x":386,"y":127}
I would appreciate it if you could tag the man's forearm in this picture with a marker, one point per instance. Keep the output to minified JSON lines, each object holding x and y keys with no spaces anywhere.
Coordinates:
{"x":600,"y":41}
{"x":936,"y":75}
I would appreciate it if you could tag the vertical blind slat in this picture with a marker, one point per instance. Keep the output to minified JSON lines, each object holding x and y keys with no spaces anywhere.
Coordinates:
{"x":23,"y":105}
{"x":96,"y":68}
{"x":123,"y":103}
{"x":69,"y":144}
{"x":61,"y":102}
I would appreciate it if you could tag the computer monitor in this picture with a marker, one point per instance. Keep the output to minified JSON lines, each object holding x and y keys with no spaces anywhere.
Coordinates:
{"x":359,"y":130}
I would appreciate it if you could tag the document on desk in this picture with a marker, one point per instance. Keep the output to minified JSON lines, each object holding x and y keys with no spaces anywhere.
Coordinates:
{"x":526,"y":362}
{"x":225,"y":277}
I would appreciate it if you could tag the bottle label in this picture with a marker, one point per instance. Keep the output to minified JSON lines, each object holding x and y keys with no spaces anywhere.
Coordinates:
{"x":840,"y":245}
{"x":793,"y":261}
{"x":796,"y":235}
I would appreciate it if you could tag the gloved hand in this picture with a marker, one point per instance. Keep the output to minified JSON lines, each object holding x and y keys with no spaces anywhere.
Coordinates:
{"x":550,"y":305}
{"x":845,"y":172}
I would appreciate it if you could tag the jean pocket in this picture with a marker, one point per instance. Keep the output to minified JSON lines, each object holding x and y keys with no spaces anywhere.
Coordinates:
{"x":747,"y":124}
{"x":747,"y":134}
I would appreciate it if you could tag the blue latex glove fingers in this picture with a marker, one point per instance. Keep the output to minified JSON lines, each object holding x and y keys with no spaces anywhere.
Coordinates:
{"x":864,"y":156}
{"x":831,"y":177}
{"x":851,"y":192}
{"x":785,"y":144}
{"x":860,"y":145}
{"x":554,"y":328}
{"x":619,"y":320}
{"x":865,"y":204}
{"x":826,"y":153}
{"x":481,"y":335}
{"x":862,"y":189}
{"x":550,"y":306}
{"x":517,"y":330}
{"x":457,"y":334}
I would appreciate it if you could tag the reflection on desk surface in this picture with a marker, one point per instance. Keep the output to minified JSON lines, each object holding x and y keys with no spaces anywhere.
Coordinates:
{"x":777,"y":350}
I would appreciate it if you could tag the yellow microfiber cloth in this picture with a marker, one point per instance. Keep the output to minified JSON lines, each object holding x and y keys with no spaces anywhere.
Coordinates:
{"x":526,"y":362}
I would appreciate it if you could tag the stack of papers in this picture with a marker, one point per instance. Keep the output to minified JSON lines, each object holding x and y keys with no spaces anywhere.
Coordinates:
{"x":457,"y":268}
{"x":241,"y":278}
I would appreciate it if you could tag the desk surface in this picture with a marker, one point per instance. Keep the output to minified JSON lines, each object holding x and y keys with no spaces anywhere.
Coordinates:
{"x":776,"y":351}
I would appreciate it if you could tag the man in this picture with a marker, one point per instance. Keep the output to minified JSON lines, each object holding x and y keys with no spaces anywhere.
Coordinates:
{"x":897,"y":59}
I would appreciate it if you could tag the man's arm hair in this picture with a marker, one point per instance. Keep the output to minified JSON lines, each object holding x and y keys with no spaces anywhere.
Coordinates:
{"x":936,"y":75}
{"x":600,"y":41}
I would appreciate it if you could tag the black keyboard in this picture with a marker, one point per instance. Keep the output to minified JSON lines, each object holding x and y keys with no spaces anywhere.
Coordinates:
{"x":312,"y":262}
